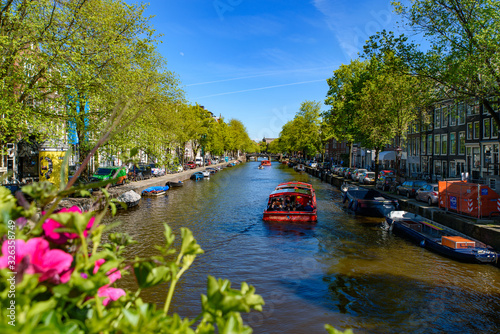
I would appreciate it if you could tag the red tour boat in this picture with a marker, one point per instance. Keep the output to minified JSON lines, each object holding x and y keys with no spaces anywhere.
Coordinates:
{"x":265,"y":163}
{"x":292,"y":202}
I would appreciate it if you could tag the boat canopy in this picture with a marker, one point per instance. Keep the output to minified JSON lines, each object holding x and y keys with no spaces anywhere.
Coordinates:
{"x":294,"y":184}
{"x":291,"y":191}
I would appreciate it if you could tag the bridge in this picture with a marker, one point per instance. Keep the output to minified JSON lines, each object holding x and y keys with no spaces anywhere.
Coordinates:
{"x":262,"y":155}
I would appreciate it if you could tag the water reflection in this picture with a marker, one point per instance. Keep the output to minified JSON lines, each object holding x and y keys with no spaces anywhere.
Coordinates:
{"x":344,"y":270}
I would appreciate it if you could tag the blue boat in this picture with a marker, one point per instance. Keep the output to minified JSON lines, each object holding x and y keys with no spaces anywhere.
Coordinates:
{"x":440,"y":239}
{"x":197,"y":176}
{"x":155,"y":191}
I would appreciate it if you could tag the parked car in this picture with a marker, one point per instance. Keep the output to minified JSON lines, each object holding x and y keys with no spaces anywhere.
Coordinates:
{"x":357,"y":173}
{"x":385,"y":182}
{"x":367,"y":178}
{"x":156,"y":170}
{"x":198,"y":161}
{"x":348,"y":173}
{"x":428,"y":193}
{"x":409,"y":188}
{"x":191,"y":164}
{"x":105,"y":173}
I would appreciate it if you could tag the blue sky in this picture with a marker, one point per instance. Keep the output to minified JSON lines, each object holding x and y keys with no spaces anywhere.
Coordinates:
{"x":257,"y":60}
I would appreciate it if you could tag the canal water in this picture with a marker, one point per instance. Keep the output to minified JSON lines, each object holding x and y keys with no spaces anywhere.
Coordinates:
{"x":344,"y":270}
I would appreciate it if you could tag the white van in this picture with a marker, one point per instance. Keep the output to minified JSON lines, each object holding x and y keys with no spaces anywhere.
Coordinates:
{"x":198,"y":161}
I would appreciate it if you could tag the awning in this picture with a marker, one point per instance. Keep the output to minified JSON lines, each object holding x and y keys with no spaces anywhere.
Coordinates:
{"x":390,"y":156}
{"x":387,"y":155}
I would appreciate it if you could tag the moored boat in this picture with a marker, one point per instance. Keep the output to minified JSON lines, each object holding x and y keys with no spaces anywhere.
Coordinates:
{"x":440,"y":239}
{"x":299,"y":168}
{"x":173,"y":184}
{"x":130,"y":198}
{"x":155,"y":191}
{"x":197,"y":176}
{"x":292,"y":202}
{"x":368,"y":202}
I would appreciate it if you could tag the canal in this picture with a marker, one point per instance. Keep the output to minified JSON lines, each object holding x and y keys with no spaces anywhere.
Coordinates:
{"x":344,"y":270}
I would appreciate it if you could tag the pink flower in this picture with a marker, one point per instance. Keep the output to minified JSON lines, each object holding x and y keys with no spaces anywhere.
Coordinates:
{"x":35,"y":257}
{"x":105,"y":291}
{"x":50,"y":225}
{"x":110,"y":294}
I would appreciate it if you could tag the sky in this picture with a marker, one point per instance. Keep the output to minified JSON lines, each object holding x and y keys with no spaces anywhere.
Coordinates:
{"x":258,"y":60}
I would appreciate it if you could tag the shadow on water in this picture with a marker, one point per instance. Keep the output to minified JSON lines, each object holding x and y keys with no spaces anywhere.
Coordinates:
{"x":344,"y":270}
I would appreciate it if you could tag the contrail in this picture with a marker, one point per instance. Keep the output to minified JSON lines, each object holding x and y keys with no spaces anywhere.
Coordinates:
{"x":261,"y":88}
{"x":258,"y":75}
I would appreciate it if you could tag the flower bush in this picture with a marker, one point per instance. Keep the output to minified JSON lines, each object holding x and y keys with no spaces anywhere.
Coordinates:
{"x":58,"y":277}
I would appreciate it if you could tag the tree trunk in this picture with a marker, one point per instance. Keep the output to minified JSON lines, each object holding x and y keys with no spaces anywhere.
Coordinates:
{"x":377,"y":168}
{"x":351,"y":145}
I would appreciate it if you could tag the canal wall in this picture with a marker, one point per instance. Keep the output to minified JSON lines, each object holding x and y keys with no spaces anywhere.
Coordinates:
{"x":93,"y":204}
{"x":487,"y":231}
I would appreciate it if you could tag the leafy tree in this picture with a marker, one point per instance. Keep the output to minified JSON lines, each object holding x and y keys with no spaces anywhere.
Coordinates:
{"x":462,"y":57}
{"x":344,"y":89}
{"x":238,"y":139}
{"x":387,"y":105}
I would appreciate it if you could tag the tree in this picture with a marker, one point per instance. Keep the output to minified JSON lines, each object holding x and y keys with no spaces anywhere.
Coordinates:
{"x":344,"y":89}
{"x":464,"y":44}
{"x":387,"y":104}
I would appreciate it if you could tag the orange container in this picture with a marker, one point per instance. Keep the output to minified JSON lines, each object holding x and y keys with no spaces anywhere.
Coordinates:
{"x":476,"y":200}
{"x":457,"y":242}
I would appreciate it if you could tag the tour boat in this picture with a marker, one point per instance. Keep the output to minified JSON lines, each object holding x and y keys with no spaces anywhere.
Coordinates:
{"x":266,"y":163}
{"x":292,"y":202}
{"x":440,"y":239}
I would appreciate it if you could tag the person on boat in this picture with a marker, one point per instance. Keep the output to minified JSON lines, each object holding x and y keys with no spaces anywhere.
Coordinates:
{"x":308,"y":207}
{"x":272,"y":205}
{"x":288,"y":203}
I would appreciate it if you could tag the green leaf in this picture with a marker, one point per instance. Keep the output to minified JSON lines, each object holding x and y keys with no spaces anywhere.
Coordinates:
{"x":148,"y":274}
{"x":189,"y":244}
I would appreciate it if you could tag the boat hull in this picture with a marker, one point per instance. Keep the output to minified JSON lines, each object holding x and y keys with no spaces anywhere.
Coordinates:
{"x":369,"y":203}
{"x":402,"y":226}
{"x":290,"y":216}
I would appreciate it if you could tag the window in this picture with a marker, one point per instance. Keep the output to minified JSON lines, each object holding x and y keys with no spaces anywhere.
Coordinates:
{"x":461,"y":113}
{"x":429,"y":144}
{"x":494,"y":129}
{"x":423,"y":142}
{"x":476,"y":157}
{"x":437,"y":144}
{"x":417,"y":146}
{"x":453,"y":168}
{"x":453,"y":114}
{"x":461,"y":142}
{"x":437,"y":167}
{"x":468,"y":106}
{"x":487,"y":155}
{"x":486,"y":128}
{"x":453,"y":143}
{"x":476,"y":108}
{"x":476,"y":130}
{"x":437,"y":117}
{"x":445,"y":116}
{"x":444,"y":144}
{"x":469,"y":131}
